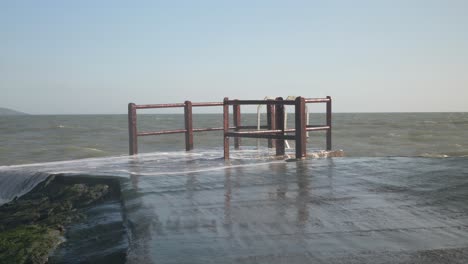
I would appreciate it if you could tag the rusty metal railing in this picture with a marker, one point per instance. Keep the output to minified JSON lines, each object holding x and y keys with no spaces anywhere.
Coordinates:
{"x":189,"y":130}
{"x":276,"y":125}
{"x":275,"y":129}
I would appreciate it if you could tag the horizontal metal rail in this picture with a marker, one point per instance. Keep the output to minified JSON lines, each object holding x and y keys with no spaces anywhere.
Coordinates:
{"x":317,"y":100}
{"x":260,"y":135}
{"x":274,"y":102}
{"x":274,"y":131}
{"x":153,"y":106}
{"x":259,"y":102}
{"x":208,"y":129}
{"x":178,"y":131}
{"x":207,"y":104}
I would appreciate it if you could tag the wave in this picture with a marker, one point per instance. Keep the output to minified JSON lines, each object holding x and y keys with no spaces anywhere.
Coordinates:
{"x":85,"y":149}
{"x":183,"y":172}
{"x":433,"y":155}
{"x":16,"y":180}
{"x":448,"y":154}
{"x":16,"y":183}
{"x":430,"y":122}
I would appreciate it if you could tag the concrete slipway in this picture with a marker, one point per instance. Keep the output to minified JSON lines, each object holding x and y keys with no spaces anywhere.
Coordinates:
{"x":195,"y":208}
{"x":341,"y":210}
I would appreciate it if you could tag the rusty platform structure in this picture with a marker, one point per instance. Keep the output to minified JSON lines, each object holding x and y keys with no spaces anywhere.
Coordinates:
{"x":275,"y":130}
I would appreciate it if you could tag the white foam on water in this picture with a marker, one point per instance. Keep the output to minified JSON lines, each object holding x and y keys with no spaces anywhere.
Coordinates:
{"x":434,"y":155}
{"x":183,"y":172}
{"x":17,"y":180}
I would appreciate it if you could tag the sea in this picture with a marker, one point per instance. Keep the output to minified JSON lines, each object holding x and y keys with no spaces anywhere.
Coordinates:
{"x":398,"y":194}
{"x":32,"y":139}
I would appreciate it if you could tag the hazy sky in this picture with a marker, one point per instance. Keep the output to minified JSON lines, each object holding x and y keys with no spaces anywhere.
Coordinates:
{"x":61,"y":57}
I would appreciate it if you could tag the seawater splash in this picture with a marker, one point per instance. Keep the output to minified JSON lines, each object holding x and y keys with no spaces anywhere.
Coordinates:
{"x":17,"y":182}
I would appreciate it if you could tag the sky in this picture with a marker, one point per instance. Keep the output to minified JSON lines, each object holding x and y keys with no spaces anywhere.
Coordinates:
{"x":94,"y":57}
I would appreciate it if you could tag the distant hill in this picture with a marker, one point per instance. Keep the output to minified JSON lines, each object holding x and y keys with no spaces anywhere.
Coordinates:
{"x":9,"y":112}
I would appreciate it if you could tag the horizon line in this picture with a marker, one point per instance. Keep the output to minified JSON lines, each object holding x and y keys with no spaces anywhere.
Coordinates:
{"x":211,"y":113}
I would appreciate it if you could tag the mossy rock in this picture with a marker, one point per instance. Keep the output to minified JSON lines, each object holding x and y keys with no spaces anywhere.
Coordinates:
{"x":28,"y":244}
{"x":31,"y":226}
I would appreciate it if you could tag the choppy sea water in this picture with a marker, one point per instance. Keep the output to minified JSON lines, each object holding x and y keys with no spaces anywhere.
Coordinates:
{"x":398,"y":196}
{"x":29,"y":139}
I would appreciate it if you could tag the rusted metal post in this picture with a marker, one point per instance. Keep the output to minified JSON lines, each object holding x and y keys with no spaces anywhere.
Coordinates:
{"x":329,"y":123}
{"x":271,"y":123}
{"x":300,"y":128}
{"x":226,"y":127}
{"x":188,"y":125}
{"x":132,"y":130}
{"x":237,"y":123}
{"x":279,"y":109}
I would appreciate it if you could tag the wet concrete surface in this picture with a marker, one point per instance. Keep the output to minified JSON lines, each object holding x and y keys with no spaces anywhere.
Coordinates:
{"x":335,"y":210}
{"x":101,"y":238}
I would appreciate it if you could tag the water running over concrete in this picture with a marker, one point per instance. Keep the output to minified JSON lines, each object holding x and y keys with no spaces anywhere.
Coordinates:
{"x":379,"y":210}
{"x":196,"y":208}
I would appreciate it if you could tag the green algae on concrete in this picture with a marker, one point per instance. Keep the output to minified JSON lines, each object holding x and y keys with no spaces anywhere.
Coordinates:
{"x":28,"y":244}
{"x":32,"y":225}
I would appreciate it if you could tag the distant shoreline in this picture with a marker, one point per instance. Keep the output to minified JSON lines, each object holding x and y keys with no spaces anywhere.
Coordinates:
{"x":10,"y":112}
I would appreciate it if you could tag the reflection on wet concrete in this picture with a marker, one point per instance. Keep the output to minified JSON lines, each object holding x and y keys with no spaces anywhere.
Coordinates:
{"x":302,"y":199}
{"x":379,"y":210}
{"x":134,"y":165}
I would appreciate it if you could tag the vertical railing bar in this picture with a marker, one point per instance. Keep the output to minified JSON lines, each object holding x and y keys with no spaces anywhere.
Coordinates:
{"x":300,"y":127}
{"x":329,"y":123}
{"x":226,"y":127}
{"x":188,"y":125}
{"x":279,"y":111}
{"x":303,"y":128}
{"x":237,"y":123}
{"x":132,"y":130}
{"x":271,"y":123}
